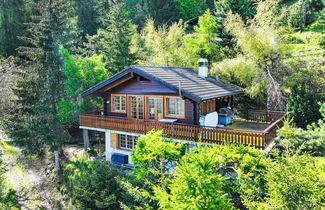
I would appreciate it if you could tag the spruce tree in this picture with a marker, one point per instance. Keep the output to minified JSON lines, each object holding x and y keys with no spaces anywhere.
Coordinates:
{"x":12,"y":17}
{"x":161,"y":11}
{"x":34,"y":125}
{"x":89,"y":16}
{"x":114,"y":40}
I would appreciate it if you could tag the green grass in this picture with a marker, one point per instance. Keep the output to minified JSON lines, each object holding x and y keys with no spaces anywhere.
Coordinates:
{"x":17,"y":167}
{"x":18,"y":170}
{"x":10,"y":200}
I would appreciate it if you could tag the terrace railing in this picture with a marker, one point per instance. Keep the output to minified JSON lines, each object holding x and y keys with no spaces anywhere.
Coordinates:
{"x":211,"y":135}
{"x":263,"y":116}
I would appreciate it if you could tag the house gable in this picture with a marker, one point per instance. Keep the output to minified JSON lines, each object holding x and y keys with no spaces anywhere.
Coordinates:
{"x":141,"y":86}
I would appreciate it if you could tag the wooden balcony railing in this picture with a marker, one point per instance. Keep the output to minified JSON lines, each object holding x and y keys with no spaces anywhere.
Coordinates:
{"x":263,"y":116}
{"x":212,"y":135}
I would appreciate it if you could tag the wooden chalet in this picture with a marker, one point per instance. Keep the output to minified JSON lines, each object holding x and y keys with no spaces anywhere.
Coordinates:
{"x":142,"y":98}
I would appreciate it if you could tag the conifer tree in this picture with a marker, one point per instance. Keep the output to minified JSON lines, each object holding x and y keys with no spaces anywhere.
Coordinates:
{"x":114,"y":40}
{"x":89,"y":16}
{"x":11,"y":25}
{"x":34,"y":124}
{"x":161,"y":11}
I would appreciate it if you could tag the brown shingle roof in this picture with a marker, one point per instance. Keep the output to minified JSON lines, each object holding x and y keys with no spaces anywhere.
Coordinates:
{"x":192,"y":85}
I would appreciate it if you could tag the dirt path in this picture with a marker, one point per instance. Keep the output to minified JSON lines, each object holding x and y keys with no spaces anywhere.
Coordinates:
{"x":33,"y":180}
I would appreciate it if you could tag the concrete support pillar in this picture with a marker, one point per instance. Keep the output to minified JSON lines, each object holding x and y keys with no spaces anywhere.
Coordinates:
{"x":108,"y":145}
{"x":86,"y":139}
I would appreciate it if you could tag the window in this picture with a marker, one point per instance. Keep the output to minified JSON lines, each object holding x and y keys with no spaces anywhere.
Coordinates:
{"x":127,"y":142}
{"x":155,"y":108}
{"x":175,"y":107}
{"x":136,"y":107}
{"x":119,"y":103}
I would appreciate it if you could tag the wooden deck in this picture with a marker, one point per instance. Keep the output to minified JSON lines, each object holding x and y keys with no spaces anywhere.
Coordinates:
{"x":211,"y":135}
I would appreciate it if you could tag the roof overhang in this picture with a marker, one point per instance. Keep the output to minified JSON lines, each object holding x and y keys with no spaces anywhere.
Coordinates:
{"x":130,"y":72}
{"x":127,"y":74}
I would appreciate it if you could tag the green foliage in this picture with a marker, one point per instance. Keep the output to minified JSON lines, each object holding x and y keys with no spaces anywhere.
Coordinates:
{"x":259,"y":39}
{"x":261,"y":43}
{"x":89,"y":14}
{"x":303,"y":105}
{"x":220,"y":177}
{"x":300,"y":14}
{"x":195,"y":185}
{"x":154,"y":156}
{"x":164,"y":46}
{"x":8,"y":198}
{"x":12,"y":17}
{"x":295,"y":182}
{"x":319,"y":24}
{"x":114,"y":40}
{"x":171,"y":46}
{"x":242,"y":72}
{"x":34,"y":124}
{"x":191,"y":8}
{"x":203,"y":42}
{"x":201,"y":179}
{"x":81,"y":74}
{"x":95,"y":184}
{"x":311,"y":140}
{"x":245,"y":8}
{"x":161,"y":11}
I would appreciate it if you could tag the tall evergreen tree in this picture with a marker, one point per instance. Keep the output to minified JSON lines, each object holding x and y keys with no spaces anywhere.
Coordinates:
{"x":114,"y":41}
{"x":35,"y":125}
{"x":161,"y":11}
{"x":12,"y":18}
{"x":87,"y":21}
{"x":89,"y":16}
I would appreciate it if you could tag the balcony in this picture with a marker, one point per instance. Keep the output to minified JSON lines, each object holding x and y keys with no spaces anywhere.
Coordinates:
{"x":262,"y":124}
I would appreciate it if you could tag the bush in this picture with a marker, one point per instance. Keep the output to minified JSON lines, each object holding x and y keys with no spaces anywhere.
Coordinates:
{"x":304,"y":105}
{"x":95,"y":184}
{"x":311,"y":140}
{"x":295,"y":182}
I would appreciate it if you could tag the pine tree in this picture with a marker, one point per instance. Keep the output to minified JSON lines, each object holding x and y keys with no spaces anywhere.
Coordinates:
{"x":34,"y":125}
{"x":114,"y":41}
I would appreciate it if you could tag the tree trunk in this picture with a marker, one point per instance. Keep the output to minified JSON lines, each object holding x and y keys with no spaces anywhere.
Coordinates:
{"x":57,"y":164}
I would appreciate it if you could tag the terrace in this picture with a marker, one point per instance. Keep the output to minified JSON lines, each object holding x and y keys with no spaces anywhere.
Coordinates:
{"x":256,"y":129}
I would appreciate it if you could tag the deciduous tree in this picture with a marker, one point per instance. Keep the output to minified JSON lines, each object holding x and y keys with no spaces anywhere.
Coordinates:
{"x":81,"y":74}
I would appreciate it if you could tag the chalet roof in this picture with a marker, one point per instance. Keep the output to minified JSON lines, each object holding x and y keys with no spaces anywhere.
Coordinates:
{"x":192,"y":86}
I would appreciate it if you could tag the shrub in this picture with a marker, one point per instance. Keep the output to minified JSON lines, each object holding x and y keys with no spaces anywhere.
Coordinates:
{"x":95,"y":184}
{"x":304,"y":105}
{"x":295,"y":181}
{"x":310,"y":140}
